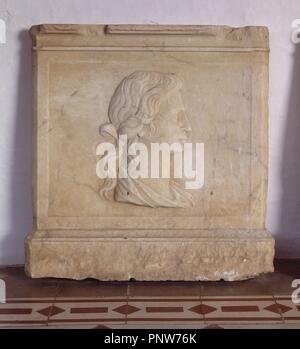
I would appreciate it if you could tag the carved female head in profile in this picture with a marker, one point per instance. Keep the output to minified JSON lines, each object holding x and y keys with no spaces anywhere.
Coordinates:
{"x":147,"y":107}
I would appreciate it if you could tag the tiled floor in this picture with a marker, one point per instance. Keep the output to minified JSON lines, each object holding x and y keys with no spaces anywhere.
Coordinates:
{"x":263,"y":302}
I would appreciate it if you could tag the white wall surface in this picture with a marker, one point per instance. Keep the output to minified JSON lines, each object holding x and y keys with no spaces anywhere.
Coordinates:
{"x":283,"y":218}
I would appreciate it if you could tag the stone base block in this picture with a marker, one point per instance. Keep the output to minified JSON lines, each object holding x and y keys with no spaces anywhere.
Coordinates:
{"x":150,"y":255}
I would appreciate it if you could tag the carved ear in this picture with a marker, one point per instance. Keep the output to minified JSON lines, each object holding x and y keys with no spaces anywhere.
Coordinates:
{"x":131,"y":127}
{"x":108,"y":129}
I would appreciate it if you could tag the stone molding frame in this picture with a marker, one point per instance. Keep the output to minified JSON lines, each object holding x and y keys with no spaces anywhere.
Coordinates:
{"x":77,"y":235}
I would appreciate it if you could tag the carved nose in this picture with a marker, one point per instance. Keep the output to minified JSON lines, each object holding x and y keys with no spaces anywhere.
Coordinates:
{"x":184,"y":121}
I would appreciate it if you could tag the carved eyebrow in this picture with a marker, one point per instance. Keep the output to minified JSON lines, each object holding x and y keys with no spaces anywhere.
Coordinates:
{"x":177,"y":110}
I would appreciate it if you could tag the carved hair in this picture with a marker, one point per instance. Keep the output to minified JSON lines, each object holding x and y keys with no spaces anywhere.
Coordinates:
{"x":133,"y":107}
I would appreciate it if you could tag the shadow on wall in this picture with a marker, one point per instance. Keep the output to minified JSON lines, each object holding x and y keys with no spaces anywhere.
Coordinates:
{"x":21,"y":205}
{"x":288,"y":238}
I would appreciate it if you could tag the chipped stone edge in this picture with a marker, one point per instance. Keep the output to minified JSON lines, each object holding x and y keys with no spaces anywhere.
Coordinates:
{"x":122,"y":259}
{"x":188,"y":36}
